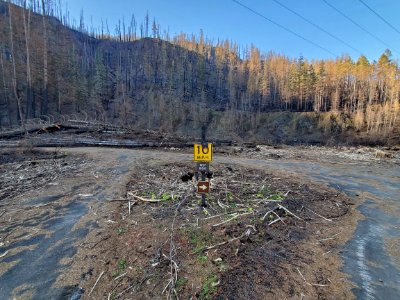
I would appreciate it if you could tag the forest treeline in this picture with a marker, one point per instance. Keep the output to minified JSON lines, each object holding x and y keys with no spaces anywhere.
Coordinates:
{"x":142,"y":77}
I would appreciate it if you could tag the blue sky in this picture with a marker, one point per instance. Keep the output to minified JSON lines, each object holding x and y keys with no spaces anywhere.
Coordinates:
{"x":226,"y":19}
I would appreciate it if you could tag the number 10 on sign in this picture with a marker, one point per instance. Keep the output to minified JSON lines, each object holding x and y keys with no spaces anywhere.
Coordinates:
{"x":203,"y":153}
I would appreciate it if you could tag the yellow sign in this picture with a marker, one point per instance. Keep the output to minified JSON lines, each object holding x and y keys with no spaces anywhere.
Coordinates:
{"x":203,"y":153}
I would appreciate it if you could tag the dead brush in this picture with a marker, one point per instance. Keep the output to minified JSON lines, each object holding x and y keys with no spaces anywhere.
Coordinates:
{"x":244,"y":205}
{"x":383,"y":154}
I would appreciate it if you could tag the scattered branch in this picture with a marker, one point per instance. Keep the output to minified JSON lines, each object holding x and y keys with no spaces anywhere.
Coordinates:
{"x":220,"y":215}
{"x":220,"y":204}
{"x":289,"y":212}
{"x":97,"y":281}
{"x":246,"y":233}
{"x":312,"y":284}
{"x":127,"y":289}
{"x":267,"y":213}
{"x":181,"y":203}
{"x":120,"y":276}
{"x":330,"y":238}
{"x":94,"y":243}
{"x":144,"y":199}
{"x":233,"y":218}
{"x":329,"y":220}
{"x":4,"y":254}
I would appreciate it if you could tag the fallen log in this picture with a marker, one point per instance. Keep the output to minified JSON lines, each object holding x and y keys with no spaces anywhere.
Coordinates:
{"x":19,"y":132}
{"x":60,"y":142}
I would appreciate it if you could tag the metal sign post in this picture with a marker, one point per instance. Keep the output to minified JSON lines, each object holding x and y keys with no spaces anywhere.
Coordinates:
{"x":203,"y":195}
{"x":203,"y":155}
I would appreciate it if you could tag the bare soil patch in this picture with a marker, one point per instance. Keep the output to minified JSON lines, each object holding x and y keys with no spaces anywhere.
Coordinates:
{"x":392,"y":246}
{"x":263,"y":236}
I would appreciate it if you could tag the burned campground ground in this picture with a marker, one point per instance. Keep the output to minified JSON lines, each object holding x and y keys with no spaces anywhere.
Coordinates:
{"x":267,"y":233}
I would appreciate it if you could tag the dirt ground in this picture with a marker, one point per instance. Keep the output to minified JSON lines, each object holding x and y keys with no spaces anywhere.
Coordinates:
{"x":314,"y":153}
{"x":263,"y":235}
{"x":25,"y":169}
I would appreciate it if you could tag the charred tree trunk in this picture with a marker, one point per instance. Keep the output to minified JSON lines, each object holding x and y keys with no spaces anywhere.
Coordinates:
{"x":45,"y":100}
{"x":5,"y":104}
{"x":30,"y":105}
{"x":14,"y":79}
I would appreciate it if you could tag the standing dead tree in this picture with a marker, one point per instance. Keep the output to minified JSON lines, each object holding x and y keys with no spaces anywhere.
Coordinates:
{"x":14,"y":79}
{"x":30,"y":105}
{"x":45,"y":101}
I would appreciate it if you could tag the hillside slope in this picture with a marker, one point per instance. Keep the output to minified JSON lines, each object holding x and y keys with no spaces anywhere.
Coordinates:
{"x":180,"y":84}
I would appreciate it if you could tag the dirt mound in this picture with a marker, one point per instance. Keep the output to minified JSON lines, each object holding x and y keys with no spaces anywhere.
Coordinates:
{"x":262,"y":236}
